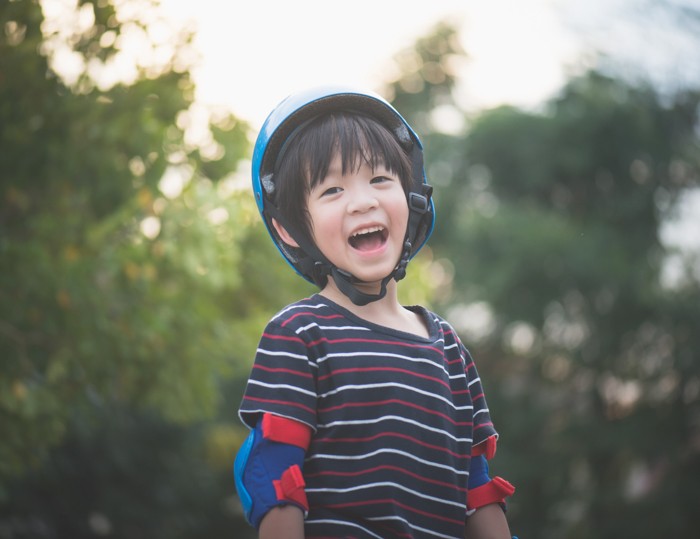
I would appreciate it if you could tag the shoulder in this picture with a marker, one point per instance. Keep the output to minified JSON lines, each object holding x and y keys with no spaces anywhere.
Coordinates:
{"x":307,"y":313}
{"x":450,"y":337}
{"x":446,"y":330}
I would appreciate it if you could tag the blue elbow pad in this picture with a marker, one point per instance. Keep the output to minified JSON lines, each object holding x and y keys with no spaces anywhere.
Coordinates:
{"x":267,"y":468}
{"x":478,"y":472}
{"x":482,"y":489}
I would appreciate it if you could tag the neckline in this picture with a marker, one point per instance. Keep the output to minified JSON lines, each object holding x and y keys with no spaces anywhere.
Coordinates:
{"x":427,"y":317}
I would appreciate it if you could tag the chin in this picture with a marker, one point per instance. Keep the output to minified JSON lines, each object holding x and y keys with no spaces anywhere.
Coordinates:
{"x":371,"y":282}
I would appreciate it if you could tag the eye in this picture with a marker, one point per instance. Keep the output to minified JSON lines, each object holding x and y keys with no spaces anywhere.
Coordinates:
{"x":381,"y":179}
{"x":330,"y":191}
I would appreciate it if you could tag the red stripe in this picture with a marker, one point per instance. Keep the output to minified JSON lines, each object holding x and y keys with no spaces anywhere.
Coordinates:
{"x":280,"y":370}
{"x":373,"y":341}
{"x":395,"y":401}
{"x":283,"y":338}
{"x":393,"y":468}
{"x":384,"y":369}
{"x":395,"y":503}
{"x":312,"y":315}
{"x":397,"y":435}
{"x":284,"y":403}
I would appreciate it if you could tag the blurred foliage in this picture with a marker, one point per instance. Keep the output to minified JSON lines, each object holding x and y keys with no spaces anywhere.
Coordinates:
{"x":549,"y":225}
{"x":134,"y":282}
{"x":135,"y":278}
{"x":560,"y":234}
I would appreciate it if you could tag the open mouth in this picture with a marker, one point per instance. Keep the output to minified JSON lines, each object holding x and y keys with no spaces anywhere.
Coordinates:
{"x":369,"y":239}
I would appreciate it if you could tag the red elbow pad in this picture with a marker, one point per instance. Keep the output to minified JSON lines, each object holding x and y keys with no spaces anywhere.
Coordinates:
{"x":495,"y":491}
{"x":486,"y":448}
{"x":286,"y":431}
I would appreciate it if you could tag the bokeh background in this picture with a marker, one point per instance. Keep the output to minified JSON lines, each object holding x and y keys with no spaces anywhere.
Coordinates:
{"x":563,"y":142}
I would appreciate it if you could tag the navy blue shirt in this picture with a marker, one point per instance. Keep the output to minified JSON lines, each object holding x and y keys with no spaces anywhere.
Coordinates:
{"x":394,"y":417}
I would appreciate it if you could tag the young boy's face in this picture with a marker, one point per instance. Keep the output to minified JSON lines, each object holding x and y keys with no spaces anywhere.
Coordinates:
{"x":359,"y":219}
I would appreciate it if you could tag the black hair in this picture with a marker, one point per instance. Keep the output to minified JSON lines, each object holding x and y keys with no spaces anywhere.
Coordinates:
{"x":306,"y":156}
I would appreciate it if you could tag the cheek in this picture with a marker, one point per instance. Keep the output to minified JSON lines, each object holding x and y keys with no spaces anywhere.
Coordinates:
{"x":400,"y":212}
{"x":323,"y":222}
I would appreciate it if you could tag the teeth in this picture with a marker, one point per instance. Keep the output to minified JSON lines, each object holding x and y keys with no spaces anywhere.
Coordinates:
{"x":368,"y":230}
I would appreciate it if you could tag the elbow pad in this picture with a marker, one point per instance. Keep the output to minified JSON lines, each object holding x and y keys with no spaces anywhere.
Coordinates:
{"x":482,"y":489}
{"x":267,"y":468}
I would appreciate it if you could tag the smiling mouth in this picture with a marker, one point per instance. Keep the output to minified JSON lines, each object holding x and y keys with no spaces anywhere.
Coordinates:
{"x":369,"y":238}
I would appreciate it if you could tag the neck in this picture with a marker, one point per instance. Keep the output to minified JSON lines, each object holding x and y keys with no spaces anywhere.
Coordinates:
{"x":385,"y":307}
{"x":387,"y":312}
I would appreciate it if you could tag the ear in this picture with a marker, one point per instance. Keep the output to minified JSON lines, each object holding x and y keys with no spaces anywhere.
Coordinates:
{"x":283,"y":234}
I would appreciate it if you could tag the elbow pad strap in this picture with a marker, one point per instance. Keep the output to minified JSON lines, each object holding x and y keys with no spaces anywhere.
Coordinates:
{"x":482,"y":489}
{"x":268,"y":466}
{"x":495,"y":491}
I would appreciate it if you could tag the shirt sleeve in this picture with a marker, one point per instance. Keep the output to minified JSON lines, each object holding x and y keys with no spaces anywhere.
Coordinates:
{"x":282,"y":380}
{"x":483,"y":426}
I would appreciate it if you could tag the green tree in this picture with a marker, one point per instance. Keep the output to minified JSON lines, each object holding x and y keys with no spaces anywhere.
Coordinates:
{"x":591,"y":361}
{"x":135,"y":279}
{"x":90,"y":308}
{"x":549,"y":237}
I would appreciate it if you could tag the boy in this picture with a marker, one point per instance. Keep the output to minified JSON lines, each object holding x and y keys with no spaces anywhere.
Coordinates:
{"x":368,"y":418}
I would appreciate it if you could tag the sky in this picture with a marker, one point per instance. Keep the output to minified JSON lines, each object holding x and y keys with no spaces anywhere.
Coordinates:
{"x":253,"y":57}
{"x":520,"y":51}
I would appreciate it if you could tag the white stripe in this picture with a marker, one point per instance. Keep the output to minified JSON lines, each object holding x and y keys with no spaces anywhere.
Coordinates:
{"x":296,"y":306}
{"x":367,"y":353}
{"x":432,"y":533}
{"x":402,"y":386}
{"x":395,"y":418}
{"x":412,"y":359}
{"x":281,"y":386}
{"x":386,"y":484}
{"x":281,"y":353}
{"x":330,"y":328}
{"x":392,"y":451}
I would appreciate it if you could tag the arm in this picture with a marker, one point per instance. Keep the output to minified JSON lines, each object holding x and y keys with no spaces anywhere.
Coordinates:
{"x":486,"y":496}
{"x":269,"y":478}
{"x":487,"y":522}
{"x":286,"y":522}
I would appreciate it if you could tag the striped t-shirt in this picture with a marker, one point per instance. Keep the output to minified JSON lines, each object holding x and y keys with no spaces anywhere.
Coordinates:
{"x":394,"y":417}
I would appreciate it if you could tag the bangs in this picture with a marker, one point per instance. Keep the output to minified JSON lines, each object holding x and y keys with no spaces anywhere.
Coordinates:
{"x":358,"y":140}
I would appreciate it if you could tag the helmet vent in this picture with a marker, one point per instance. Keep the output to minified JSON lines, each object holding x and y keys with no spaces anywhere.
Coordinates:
{"x":268,"y":184}
{"x":402,"y":134}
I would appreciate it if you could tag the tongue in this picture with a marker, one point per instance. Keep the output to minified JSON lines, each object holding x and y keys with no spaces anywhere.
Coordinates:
{"x":367,"y":242}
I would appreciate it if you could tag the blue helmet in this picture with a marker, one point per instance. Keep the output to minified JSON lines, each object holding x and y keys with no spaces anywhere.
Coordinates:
{"x":300,"y":108}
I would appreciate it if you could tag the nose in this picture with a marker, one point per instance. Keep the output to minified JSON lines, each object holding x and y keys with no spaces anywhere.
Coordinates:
{"x":362,"y":200}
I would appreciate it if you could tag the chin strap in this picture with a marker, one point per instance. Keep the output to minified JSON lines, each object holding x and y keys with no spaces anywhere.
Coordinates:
{"x":312,"y":263}
{"x":346,"y":282}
